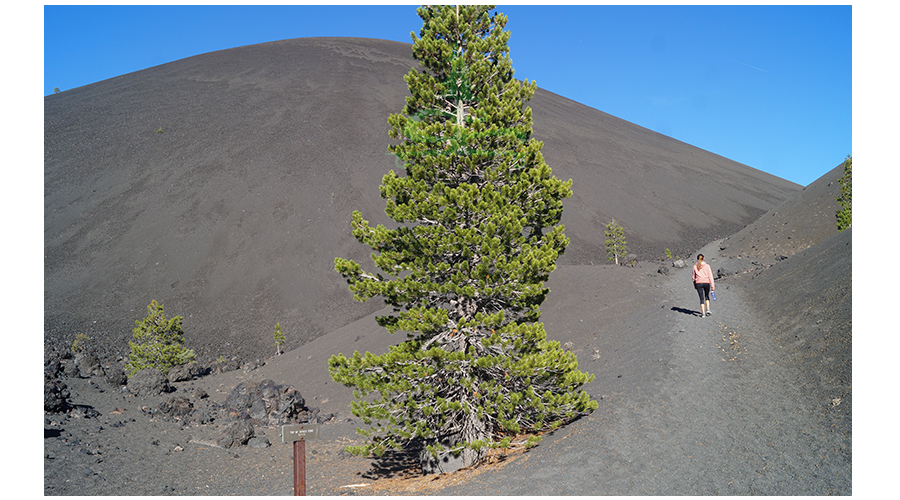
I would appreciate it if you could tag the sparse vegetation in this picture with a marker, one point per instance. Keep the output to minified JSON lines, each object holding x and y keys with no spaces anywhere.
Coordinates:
{"x":279,"y":338}
{"x":158,"y":342}
{"x":78,"y":343}
{"x":671,"y":256}
{"x":845,"y":214}
{"x":616,"y":246}
{"x":479,"y":233}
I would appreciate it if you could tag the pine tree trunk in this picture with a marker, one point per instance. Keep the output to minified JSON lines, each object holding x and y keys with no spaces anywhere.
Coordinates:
{"x":470,"y":429}
{"x":473,"y":430}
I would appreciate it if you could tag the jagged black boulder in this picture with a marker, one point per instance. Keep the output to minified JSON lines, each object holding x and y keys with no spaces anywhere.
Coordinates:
{"x":236,"y":433}
{"x":88,"y":365}
{"x":115,"y":375}
{"x":56,"y":394}
{"x":267,"y":403}
{"x":149,"y":382}
{"x":176,"y":408}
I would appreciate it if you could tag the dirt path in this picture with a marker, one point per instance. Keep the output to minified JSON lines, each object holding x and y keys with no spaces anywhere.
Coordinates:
{"x":725,"y":420}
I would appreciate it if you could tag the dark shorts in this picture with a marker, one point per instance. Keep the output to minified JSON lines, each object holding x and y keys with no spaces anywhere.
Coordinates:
{"x":702,"y":291}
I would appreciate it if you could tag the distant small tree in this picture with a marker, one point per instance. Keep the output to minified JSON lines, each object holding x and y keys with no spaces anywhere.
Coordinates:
{"x":158,"y":342}
{"x":845,"y":214}
{"x":279,"y":338}
{"x":615,"y":241}
{"x":671,"y":256}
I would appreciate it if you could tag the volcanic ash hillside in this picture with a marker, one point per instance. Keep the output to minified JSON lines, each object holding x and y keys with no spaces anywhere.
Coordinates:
{"x":222,"y":185}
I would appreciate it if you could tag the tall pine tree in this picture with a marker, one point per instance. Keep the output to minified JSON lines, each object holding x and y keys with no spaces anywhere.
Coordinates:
{"x":479,"y":234}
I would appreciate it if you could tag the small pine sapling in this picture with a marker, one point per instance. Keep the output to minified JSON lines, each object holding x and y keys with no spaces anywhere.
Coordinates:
{"x":616,"y":245}
{"x":279,"y":338}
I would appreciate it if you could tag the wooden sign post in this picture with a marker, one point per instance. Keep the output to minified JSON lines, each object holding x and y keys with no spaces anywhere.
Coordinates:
{"x":298,"y":434}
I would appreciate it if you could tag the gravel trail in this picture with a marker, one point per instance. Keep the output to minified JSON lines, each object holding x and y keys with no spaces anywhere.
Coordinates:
{"x":726,"y":419}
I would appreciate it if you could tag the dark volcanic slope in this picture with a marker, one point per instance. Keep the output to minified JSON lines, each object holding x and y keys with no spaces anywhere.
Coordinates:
{"x":221,"y":185}
{"x":804,"y":220}
{"x":665,"y":193}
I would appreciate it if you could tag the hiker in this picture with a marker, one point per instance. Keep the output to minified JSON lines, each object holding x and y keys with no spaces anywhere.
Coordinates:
{"x":702,"y":276}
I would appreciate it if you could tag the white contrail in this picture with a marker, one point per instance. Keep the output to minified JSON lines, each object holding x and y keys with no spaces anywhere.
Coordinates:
{"x":748,"y":65}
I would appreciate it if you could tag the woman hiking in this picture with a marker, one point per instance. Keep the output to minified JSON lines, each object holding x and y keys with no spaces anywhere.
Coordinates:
{"x":703,"y":281}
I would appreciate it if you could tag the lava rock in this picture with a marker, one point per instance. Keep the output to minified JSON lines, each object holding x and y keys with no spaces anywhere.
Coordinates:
{"x":56,"y":394}
{"x":176,"y":408}
{"x":237,"y":433}
{"x":149,"y":382}
{"x":259,"y":442}
{"x":88,"y":365}
{"x":728,"y":268}
{"x":184,"y":372}
{"x":268,"y":403}
{"x":69,"y":368}
{"x":115,"y":375}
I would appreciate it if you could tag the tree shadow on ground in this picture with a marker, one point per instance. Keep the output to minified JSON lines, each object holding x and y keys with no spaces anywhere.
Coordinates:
{"x":407,"y":464}
{"x":397,"y":463}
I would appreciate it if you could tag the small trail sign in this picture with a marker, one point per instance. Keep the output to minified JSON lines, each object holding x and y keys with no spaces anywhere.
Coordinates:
{"x":299,"y":434}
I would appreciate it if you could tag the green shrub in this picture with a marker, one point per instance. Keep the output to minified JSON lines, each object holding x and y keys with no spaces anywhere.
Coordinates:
{"x":158,"y":342}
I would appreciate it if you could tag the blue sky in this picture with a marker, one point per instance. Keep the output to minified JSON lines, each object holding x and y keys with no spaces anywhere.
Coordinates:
{"x":767,"y":86}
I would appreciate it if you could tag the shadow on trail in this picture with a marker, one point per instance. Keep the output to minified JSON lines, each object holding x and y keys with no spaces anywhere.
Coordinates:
{"x":689,"y":312}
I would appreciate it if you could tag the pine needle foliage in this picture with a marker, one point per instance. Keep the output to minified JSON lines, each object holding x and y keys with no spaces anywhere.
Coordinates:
{"x":616,"y":246}
{"x":279,"y":337}
{"x":845,"y":213}
{"x":158,"y":342}
{"x":478,"y":211}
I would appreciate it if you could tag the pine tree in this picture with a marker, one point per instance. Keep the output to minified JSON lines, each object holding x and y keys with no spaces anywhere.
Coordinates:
{"x":478,"y":211}
{"x":158,"y":342}
{"x":615,"y":241}
{"x":845,"y":214}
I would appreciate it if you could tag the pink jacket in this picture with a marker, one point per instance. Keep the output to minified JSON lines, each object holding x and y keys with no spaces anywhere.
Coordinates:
{"x":704,"y":275}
